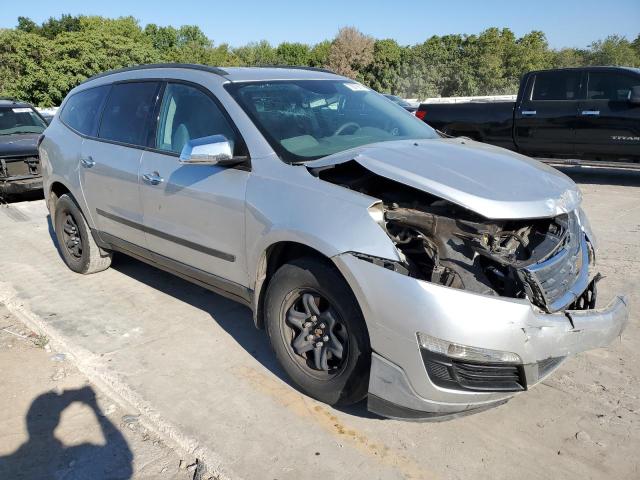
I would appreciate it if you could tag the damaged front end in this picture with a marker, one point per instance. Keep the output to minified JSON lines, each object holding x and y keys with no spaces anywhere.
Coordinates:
{"x":19,"y":175}
{"x":489,"y":289}
{"x":545,"y":260}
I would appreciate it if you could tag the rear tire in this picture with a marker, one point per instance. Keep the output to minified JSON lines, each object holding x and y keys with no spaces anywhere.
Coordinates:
{"x":75,"y":242}
{"x":317,"y":331}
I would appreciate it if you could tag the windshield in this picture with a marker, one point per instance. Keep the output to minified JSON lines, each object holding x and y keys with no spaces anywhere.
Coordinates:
{"x":309,"y":119}
{"x":20,"y":120}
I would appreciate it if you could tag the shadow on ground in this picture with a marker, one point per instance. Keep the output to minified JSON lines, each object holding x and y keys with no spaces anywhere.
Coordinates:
{"x":234,"y":318}
{"x":43,"y":456}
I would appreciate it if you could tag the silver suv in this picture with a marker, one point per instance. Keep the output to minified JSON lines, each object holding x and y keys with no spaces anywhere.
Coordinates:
{"x":437,"y":275}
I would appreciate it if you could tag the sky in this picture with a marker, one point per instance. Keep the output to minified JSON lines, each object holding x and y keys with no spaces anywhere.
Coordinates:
{"x":567,"y":23}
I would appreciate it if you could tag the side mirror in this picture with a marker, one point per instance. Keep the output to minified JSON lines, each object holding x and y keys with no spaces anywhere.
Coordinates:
{"x":634,"y":95}
{"x":212,"y":150}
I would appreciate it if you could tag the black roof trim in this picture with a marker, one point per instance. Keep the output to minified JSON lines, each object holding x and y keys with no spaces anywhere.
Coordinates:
{"x":191,"y":66}
{"x":196,"y":66}
{"x":590,"y":67}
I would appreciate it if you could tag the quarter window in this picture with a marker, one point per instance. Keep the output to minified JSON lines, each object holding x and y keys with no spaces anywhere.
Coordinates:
{"x":610,"y":86}
{"x":82,"y":110}
{"x":557,"y":86}
{"x":127,"y":112}
{"x":188,"y":113}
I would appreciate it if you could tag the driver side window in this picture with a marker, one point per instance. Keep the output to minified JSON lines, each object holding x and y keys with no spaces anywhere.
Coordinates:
{"x":188,"y":113}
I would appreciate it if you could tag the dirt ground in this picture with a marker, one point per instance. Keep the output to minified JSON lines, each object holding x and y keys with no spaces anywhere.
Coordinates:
{"x":194,"y":363}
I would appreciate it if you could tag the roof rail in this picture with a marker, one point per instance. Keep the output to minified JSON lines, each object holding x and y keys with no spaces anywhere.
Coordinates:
{"x":192,"y":66}
{"x":195,"y":66}
{"x":296,"y":67}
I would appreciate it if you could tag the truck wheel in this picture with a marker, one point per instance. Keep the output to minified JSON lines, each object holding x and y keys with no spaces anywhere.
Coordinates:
{"x":317,"y":331}
{"x":77,"y":247}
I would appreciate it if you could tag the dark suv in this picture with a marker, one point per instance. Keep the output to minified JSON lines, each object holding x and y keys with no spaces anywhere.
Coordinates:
{"x":20,"y":128}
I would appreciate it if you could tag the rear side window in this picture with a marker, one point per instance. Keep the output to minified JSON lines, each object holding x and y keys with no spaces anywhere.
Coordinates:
{"x":556,"y":86}
{"x":610,"y":86}
{"x":127,"y":112}
{"x":186,"y":114}
{"x":82,"y":110}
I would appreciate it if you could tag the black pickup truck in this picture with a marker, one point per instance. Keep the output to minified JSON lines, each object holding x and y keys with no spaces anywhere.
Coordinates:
{"x":587,"y":116}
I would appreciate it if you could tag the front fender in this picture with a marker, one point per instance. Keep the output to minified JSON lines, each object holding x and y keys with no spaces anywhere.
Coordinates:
{"x":306,"y":210}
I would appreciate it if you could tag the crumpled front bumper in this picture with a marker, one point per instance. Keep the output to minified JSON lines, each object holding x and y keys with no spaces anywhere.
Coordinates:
{"x":20,"y":184}
{"x":396,"y":307}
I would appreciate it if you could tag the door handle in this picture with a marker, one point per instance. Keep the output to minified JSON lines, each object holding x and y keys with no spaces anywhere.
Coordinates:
{"x":87,"y":162}
{"x":590,"y":113}
{"x":152,"y":178}
{"x":529,"y":113}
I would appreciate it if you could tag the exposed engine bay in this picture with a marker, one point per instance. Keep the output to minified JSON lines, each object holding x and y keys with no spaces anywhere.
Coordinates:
{"x":440,"y":242}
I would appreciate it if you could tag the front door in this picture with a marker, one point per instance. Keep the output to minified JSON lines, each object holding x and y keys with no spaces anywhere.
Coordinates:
{"x":546,"y":117}
{"x":110,"y":164}
{"x":609,"y":125}
{"x":194,"y":214}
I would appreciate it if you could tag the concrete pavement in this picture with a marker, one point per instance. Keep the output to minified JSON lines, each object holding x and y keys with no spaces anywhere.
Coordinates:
{"x":200,"y":375}
{"x":54,"y":424}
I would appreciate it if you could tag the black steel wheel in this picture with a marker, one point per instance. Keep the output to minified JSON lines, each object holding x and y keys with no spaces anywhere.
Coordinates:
{"x":317,"y":331}
{"x":317,"y":334}
{"x":77,"y":247}
{"x":71,"y":236}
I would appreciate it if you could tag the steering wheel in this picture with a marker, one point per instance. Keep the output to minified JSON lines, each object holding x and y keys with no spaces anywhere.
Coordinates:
{"x":344,"y":126}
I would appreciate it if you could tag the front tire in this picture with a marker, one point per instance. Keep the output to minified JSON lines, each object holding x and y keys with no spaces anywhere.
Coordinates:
{"x":77,"y":247}
{"x":317,"y":331}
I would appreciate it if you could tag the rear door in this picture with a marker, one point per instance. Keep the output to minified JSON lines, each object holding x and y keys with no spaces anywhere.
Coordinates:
{"x":608,"y":124}
{"x":545,"y":120}
{"x":110,"y":163}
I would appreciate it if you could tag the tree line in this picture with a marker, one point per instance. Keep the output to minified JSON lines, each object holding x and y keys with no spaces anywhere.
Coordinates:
{"x":40,"y":63}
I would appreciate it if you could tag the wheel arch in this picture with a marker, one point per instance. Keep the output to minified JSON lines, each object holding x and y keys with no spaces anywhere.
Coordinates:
{"x":55,"y":191}
{"x":272,"y":258}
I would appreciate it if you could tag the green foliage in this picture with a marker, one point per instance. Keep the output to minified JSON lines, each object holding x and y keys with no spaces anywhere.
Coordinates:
{"x":52,"y":27}
{"x":613,"y":50}
{"x":319,"y":54}
{"x":78,"y":55}
{"x":41,"y":63}
{"x":292,"y":54}
{"x":569,"y":57}
{"x":260,"y":53}
{"x":24,"y":61}
{"x":383,"y":72}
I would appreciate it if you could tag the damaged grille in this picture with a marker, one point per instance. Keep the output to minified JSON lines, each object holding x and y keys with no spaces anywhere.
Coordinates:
{"x":543,"y":259}
{"x":558,"y":280}
{"x":19,"y":167}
